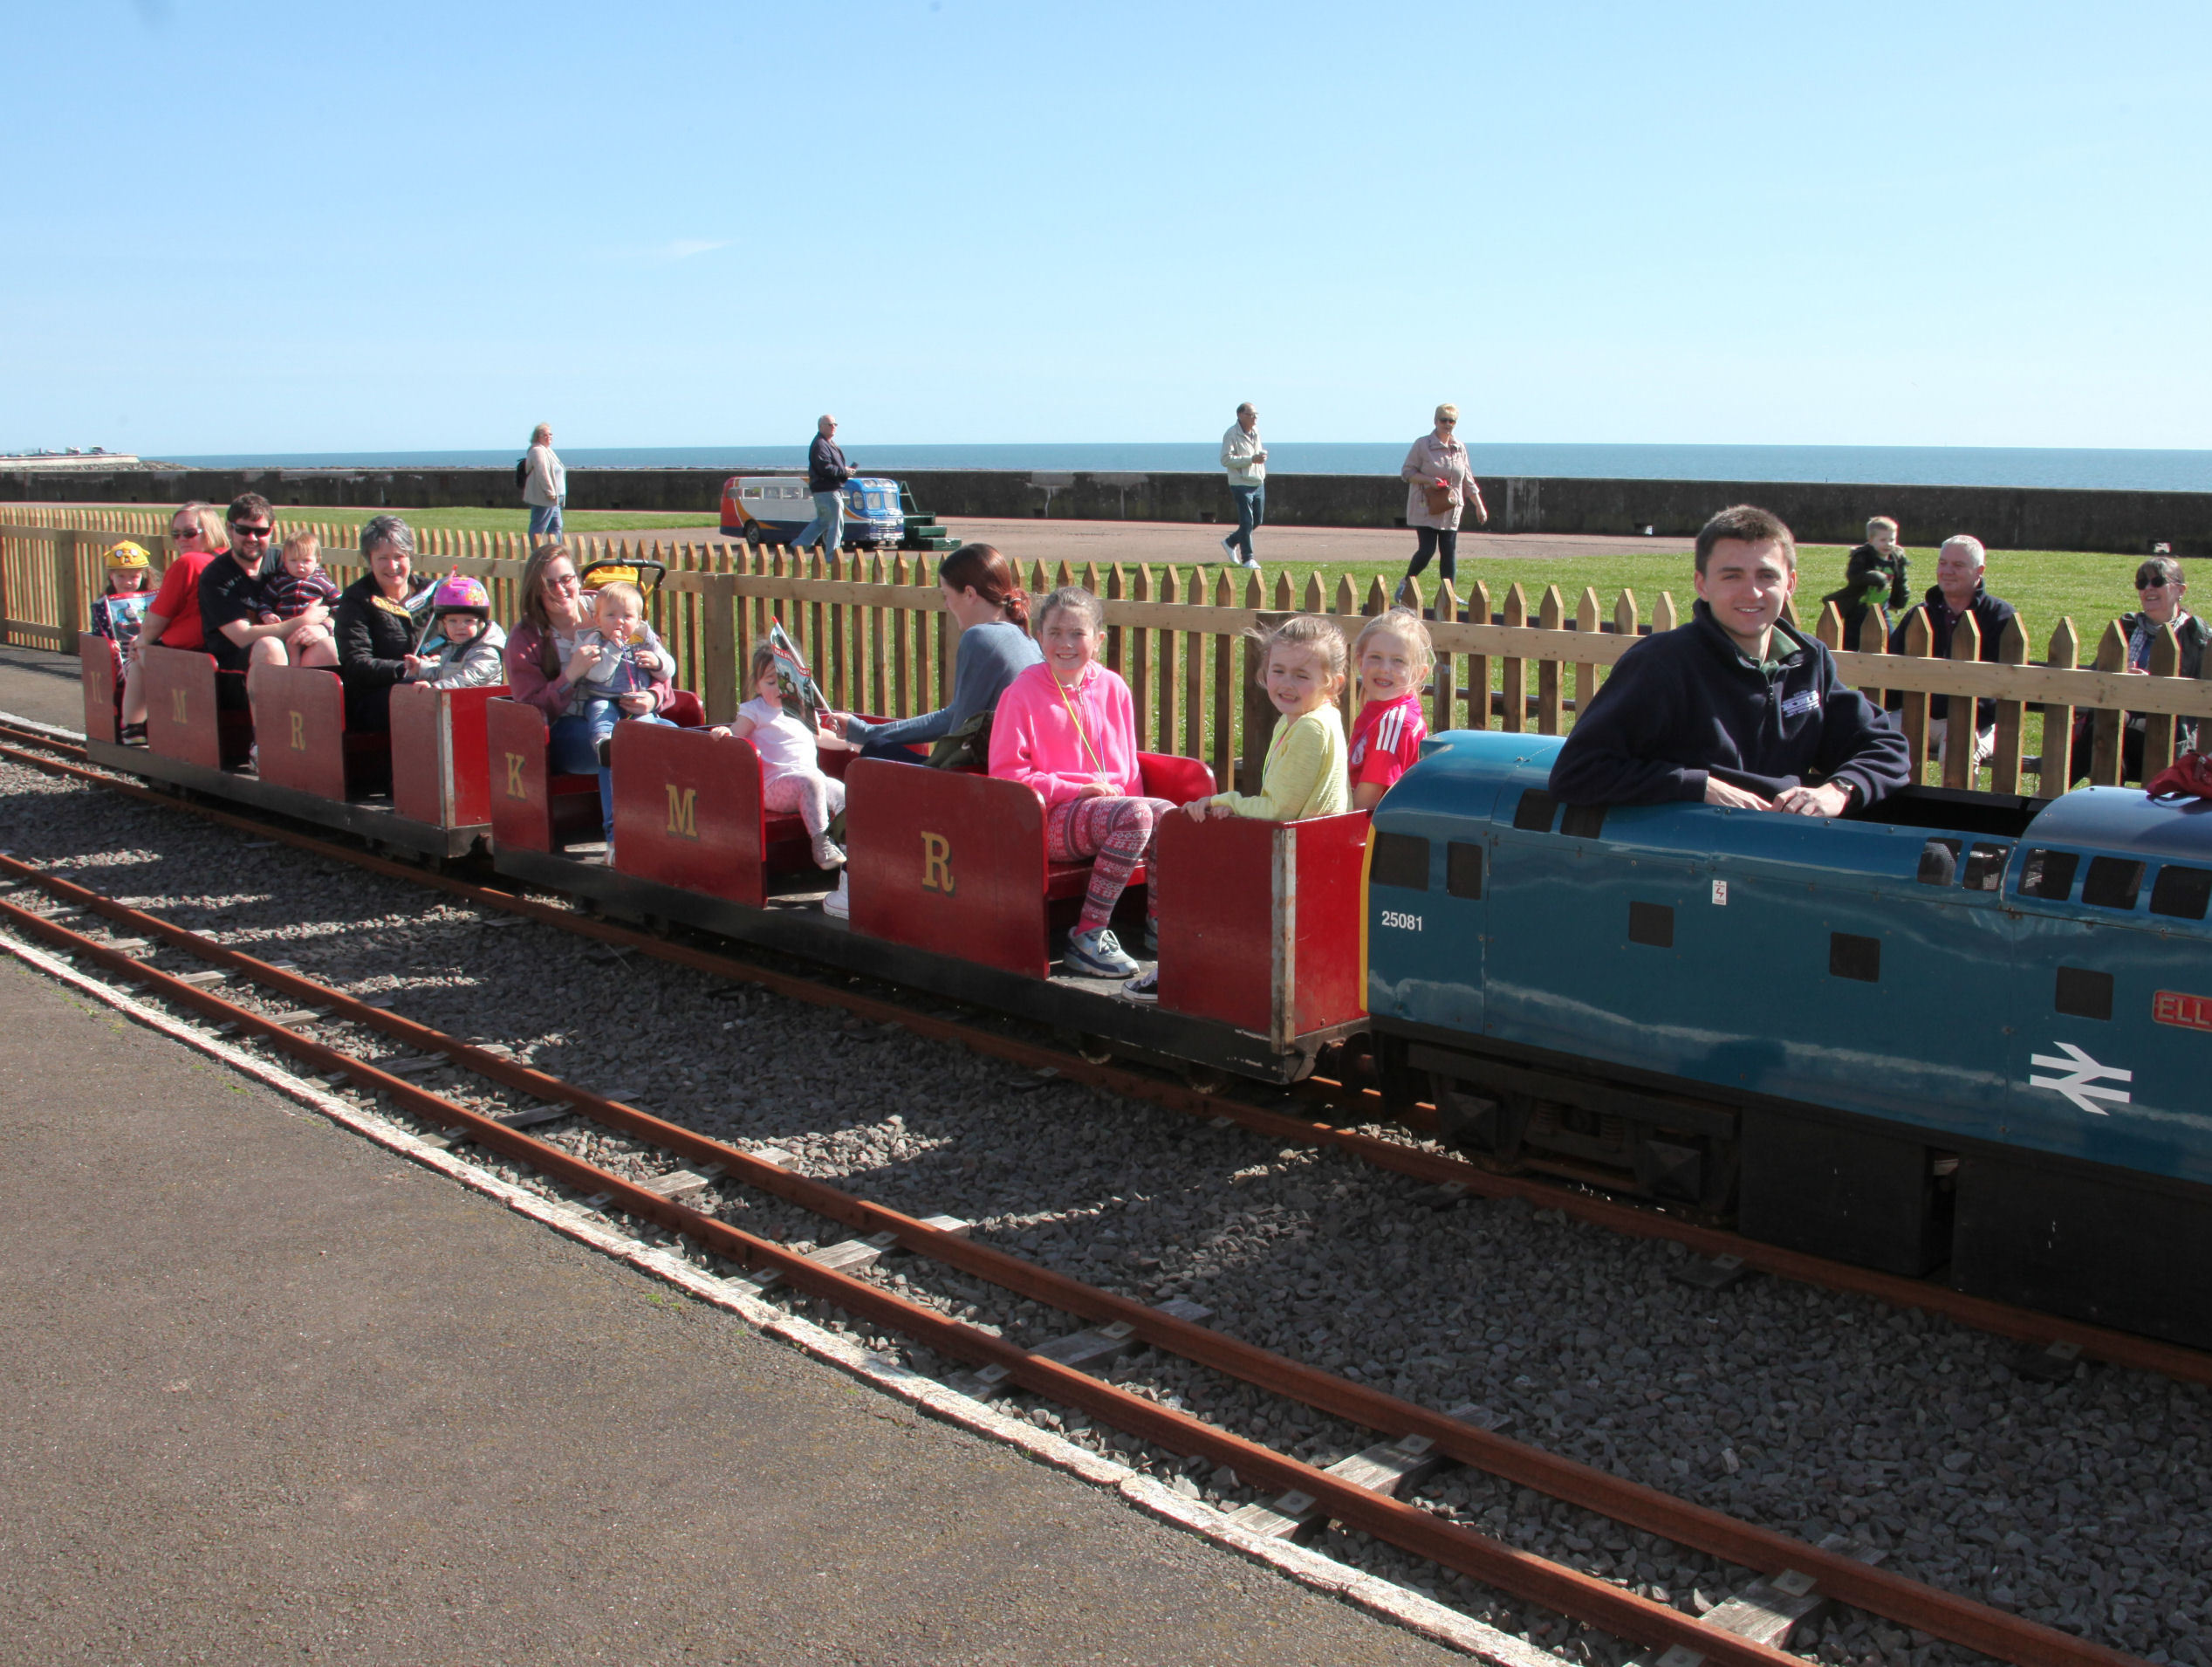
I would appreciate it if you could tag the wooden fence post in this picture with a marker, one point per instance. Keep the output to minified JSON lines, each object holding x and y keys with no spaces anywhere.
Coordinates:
{"x":2004,"y":765}
{"x":2158,"y":727}
{"x":2104,"y":755}
{"x":718,"y":646}
{"x":1919,"y":642}
{"x":2055,"y":769}
{"x":1551,"y":616}
{"x":1960,"y":745}
{"x":1513,"y":676}
{"x":68,"y":609}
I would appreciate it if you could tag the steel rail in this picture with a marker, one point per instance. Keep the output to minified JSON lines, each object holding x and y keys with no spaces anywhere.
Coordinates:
{"x":1523,"y":1575}
{"x":1982,"y":1314}
{"x":1961,"y":1620}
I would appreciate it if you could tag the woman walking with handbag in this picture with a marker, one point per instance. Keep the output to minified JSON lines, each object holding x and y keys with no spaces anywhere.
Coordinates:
{"x":1440,"y":483}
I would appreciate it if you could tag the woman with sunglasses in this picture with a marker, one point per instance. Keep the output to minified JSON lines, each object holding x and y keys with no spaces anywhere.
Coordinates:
{"x":1440,"y":483}
{"x":196,"y":538}
{"x":2160,"y":587}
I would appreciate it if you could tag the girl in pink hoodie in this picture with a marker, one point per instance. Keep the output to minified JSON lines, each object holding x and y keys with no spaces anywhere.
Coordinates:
{"x":1067,"y":729}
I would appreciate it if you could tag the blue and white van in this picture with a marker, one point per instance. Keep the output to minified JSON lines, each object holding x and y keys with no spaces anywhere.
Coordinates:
{"x":775,"y":509}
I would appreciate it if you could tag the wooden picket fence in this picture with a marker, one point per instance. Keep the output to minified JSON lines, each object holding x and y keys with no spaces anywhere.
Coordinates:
{"x":874,"y":628}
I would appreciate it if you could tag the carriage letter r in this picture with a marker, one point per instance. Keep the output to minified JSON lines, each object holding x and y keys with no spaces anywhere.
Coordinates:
{"x":515,"y":775}
{"x":299,"y":731}
{"x":176,"y":706}
{"x":683,"y":812}
{"x":936,"y":863}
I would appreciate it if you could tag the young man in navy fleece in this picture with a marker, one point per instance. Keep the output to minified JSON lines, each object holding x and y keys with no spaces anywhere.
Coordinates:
{"x":1733,"y":708}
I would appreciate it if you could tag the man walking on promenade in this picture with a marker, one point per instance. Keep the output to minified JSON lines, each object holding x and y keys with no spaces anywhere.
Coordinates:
{"x":1245,"y":459}
{"x":827,"y":473}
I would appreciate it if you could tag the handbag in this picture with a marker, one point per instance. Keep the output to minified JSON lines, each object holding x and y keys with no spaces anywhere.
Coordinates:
{"x":1439,"y":498}
{"x":2188,"y":775}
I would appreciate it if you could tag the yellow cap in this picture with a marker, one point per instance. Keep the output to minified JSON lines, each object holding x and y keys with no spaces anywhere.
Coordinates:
{"x":127,"y":554}
{"x":599,"y":577}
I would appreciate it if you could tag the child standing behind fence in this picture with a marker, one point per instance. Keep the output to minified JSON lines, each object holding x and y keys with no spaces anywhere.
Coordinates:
{"x":791,"y":778}
{"x":1068,"y":730}
{"x":1394,"y":657}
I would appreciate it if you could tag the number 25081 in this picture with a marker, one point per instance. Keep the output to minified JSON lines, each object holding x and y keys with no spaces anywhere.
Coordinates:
{"x":1404,"y":922}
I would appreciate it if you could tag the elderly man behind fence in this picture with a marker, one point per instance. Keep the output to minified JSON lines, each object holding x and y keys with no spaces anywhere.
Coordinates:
{"x":1736,"y":707}
{"x":1245,"y":459}
{"x":1960,"y":567}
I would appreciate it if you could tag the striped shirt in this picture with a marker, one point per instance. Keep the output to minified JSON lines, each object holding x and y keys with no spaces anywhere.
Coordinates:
{"x":1386,"y":739}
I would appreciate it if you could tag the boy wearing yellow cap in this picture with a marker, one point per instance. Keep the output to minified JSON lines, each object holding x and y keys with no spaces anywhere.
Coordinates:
{"x":121,"y":610}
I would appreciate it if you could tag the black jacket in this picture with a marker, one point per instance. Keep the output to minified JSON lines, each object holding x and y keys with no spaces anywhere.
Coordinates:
{"x":1685,"y":704}
{"x":2192,"y":633}
{"x":1991,"y":614}
{"x":375,"y":637}
{"x":1866,"y":561}
{"x":825,"y":469}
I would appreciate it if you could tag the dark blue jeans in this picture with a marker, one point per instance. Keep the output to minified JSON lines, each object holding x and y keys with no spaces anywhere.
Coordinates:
{"x":1251,"y":510}
{"x":593,"y":723}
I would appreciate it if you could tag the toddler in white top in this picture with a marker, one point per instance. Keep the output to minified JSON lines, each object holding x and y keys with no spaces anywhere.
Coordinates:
{"x":791,"y":773}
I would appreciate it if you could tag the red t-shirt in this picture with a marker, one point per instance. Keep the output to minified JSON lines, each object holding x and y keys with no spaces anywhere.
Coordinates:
{"x":1386,"y":739}
{"x":178,"y":599}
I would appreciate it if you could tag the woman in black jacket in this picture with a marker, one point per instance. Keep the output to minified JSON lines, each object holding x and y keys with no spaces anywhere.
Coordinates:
{"x":379,"y":622}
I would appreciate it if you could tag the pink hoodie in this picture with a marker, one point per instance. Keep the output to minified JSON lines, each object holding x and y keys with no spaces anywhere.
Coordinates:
{"x":1033,"y":740}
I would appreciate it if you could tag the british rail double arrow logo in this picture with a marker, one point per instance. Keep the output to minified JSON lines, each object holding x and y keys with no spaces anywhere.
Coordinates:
{"x":2083,"y":1073}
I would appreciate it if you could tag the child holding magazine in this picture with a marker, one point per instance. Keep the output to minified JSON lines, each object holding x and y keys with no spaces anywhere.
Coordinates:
{"x":789,"y":742}
{"x":119,"y":611}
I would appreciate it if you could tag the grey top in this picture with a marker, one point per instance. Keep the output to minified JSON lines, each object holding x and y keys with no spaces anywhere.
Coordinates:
{"x":990,"y":657}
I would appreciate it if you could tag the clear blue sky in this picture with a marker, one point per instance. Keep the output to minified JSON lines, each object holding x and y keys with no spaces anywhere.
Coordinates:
{"x":300,"y":228}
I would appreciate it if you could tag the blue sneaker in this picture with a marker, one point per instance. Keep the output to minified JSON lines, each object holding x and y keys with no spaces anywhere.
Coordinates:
{"x":1144,"y":987}
{"x":1098,"y":954}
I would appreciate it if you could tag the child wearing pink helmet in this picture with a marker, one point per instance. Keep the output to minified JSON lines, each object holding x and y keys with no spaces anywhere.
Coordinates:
{"x":465,"y":649}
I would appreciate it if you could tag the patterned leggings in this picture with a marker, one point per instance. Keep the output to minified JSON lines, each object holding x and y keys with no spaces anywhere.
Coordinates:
{"x":1117,"y":835}
{"x":813,"y":795}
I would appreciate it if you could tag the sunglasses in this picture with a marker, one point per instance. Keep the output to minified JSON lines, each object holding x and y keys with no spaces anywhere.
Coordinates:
{"x":248,"y":530}
{"x":1448,"y":422}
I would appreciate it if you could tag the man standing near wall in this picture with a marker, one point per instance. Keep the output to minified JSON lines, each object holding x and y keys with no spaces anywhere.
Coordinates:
{"x":1245,"y":459}
{"x":544,"y":486}
{"x":827,"y":473}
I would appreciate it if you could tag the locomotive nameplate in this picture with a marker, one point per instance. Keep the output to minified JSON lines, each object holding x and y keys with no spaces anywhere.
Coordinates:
{"x":2189,"y":1012}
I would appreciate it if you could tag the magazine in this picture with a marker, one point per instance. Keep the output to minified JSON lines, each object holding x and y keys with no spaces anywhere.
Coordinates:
{"x":802,"y":695}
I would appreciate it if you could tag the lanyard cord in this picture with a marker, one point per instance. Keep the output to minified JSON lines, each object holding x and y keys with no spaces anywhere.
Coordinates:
{"x":1081,"y":734}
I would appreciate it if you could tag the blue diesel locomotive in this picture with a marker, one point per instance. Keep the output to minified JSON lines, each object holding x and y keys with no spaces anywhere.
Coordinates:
{"x":1956,"y":1029}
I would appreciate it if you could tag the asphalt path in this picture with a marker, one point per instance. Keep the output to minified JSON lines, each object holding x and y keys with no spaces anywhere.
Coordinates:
{"x":270,"y":1392}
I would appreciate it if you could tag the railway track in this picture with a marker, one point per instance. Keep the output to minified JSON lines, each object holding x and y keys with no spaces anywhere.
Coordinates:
{"x":839,"y":1276}
{"x":1322,"y":1113}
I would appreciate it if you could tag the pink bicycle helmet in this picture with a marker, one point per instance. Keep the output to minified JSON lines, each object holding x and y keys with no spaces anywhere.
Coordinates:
{"x":458,"y":593}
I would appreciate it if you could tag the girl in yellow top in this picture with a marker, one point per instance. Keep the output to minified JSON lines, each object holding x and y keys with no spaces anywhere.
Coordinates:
{"x":1305,"y":774}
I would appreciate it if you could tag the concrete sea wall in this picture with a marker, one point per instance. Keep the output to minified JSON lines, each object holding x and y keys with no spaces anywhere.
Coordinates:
{"x":2006,"y":517}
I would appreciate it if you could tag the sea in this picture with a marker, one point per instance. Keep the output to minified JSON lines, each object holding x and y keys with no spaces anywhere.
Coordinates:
{"x":2112,"y":470}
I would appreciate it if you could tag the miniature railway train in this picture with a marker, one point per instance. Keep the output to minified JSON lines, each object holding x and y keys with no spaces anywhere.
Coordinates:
{"x":1961,"y":1034}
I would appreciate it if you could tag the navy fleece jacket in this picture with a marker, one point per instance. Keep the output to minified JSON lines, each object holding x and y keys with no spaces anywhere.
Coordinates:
{"x":1685,"y":704}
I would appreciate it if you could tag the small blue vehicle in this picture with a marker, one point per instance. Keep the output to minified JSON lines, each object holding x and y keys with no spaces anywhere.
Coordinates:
{"x":775,"y":509}
{"x":1954,"y":1029}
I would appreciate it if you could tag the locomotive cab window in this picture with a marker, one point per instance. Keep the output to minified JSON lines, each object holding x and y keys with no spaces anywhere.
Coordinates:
{"x":1985,"y":866}
{"x":2182,"y":892}
{"x":1464,"y":869}
{"x":2049,"y":875}
{"x":1399,"y":860}
{"x":2113,"y":882}
{"x":1533,"y":814}
{"x":1939,"y":863}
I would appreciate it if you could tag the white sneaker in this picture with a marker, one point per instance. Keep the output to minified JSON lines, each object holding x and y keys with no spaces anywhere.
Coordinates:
{"x":1228,"y":549}
{"x":838,"y":904}
{"x":826,"y":853}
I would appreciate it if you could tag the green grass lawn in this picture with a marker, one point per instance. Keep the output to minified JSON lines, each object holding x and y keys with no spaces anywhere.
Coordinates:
{"x":2044,"y":584}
